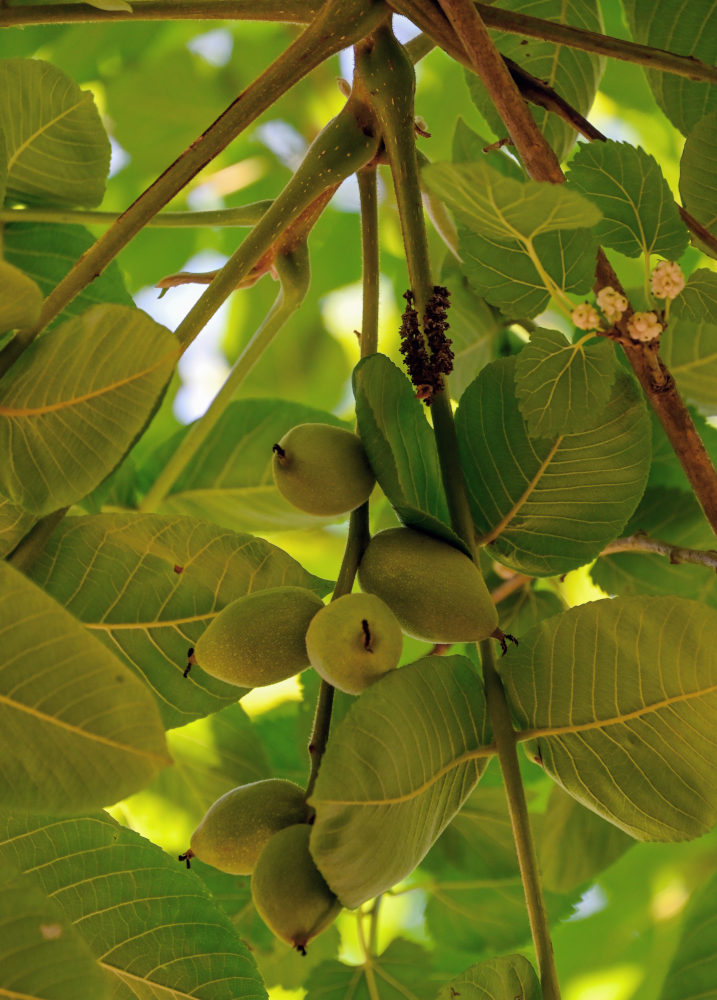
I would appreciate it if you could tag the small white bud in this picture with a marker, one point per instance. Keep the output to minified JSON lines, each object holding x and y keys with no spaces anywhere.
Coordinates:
{"x":644,"y":326}
{"x":585,"y":317}
{"x":667,"y":280}
{"x":612,"y":303}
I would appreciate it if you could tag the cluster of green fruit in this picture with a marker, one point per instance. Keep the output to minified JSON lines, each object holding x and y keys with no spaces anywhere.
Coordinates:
{"x":413,"y":583}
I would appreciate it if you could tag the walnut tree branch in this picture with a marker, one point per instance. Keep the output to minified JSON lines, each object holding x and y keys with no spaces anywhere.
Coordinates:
{"x":640,"y":542}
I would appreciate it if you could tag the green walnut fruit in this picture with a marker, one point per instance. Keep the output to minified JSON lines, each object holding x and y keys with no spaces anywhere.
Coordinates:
{"x":322,"y":469}
{"x":436,"y":592}
{"x":353,"y":641}
{"x":289,"y":891}
{"x":259,"y":638}
{"x":237,"y":827}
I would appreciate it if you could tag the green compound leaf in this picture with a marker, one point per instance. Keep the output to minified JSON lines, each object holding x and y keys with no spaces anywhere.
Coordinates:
{"x":693,"y":971}
{"x":561,"y":387}
{"x":698,"y":166}
{"x":697,"y":302}
{"x":42,"y":956}
{"x":575,"y":75}
{"x":639,"y":212}
{"x":56,"y":149}
{"x":402,"y":972}
{"x":505,"y":978}
{"x":396,"y":770}
{"x":548,"y":506}
{"x":148,"y":585}
{"x":77,"y":730}
{"x":46,"y":252}
{"x":690,"y":352}
{"x":72,"y":405}
{"x":618,"y":699}
{"x":501,"y":208}
{"x":689,"y":28}
{"x":565,"y":821}
{"x":151,"y":924}
{"x":20,"y":298}
{"x":400,"y":445}
{"x":230,"y":480}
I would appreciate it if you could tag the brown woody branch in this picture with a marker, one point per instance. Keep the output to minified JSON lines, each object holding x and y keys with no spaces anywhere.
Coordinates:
{"x":640,"y":542}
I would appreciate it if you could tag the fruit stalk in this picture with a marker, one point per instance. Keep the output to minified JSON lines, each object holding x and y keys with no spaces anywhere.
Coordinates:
{"x":385,"y":66}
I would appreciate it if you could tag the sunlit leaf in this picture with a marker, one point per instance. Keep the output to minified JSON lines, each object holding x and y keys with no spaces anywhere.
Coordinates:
{"x":639,"y":212}
{"x":73,"y":403}
{"x":689,"y":28}
{"x":20,"y":298}
{"x":396,"y":770}
{"x":402,"y":972}
{"x":573,"y":73}
{"x":47,"y":252}
{"x":400,"y":445}
{"x":57,"y":151}
{"x":618,"y":698}
{"x":230,"y":480}
{"x":693,"y":970}
{"x":150,"y":923}
{"x":505,"y":978}
{"x":547,"y":506}
{"x":501,"y":208}
{"x":561,"y":387}
{"x":77,"y":730}
{"x":42,"y":956}
{"x":182,"y":573}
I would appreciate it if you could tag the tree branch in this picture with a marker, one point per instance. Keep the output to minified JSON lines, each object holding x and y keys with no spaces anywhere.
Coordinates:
{"x":292,"y":11}
{"x":640,"y":542}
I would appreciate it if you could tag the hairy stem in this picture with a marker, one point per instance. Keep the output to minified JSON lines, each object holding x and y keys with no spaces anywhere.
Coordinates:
{"x":293,"y":270}
{"x":340,"y":23}
{"x":244,"y":215}
{"x":369,"y":260}
{"x":506,"y":742}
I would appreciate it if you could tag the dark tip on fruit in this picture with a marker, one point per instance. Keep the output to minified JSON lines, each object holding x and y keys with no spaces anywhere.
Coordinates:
{"x":279,"y":452}
{"x":190,"y":661}
{"x":366,"y":636}
{"x":301,"y":948}
{"x":187,"y":856}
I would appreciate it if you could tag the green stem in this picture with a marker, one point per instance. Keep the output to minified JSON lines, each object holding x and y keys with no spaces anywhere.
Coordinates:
{"x":293,"y":270}
{"x":369,"y":260}
{"x":505,"y":739}
{"x":150,"y":10}
{"x":340,"y":23}
{"x":244,"y":215}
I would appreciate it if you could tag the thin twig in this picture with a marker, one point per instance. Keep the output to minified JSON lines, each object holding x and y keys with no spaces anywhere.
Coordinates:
{"x":640,"y":542}
{"x":291,"y":11}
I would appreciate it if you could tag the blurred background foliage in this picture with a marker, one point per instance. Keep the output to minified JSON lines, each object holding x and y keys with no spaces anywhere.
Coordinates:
{"x":158,"y":85}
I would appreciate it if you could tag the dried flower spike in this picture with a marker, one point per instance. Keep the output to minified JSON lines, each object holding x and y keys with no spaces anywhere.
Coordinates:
{"x":644,"y":326}
{"x":426,"y":370}
{"x":612,"y":303}
{"x":586,"y":317}
{"x":667,"y":280}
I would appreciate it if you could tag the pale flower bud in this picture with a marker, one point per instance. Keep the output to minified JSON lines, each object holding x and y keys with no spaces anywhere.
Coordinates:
{"x":585,"y":317}
{"x":644,"y":326}
{"x":667,"y":280}
{"x":612,"y":303}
